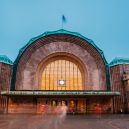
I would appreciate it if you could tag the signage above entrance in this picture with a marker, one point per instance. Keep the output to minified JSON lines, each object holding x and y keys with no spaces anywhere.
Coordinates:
{"x":84,"y":93}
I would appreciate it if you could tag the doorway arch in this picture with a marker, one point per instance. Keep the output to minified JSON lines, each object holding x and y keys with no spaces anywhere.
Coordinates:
{"x":62,"y":72}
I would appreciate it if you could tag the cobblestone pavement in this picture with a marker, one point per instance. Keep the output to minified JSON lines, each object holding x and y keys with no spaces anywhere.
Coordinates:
{"x":70,"y":122}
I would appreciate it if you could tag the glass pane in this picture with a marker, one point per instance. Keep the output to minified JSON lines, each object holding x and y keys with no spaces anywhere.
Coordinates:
{"x":61,"y":71}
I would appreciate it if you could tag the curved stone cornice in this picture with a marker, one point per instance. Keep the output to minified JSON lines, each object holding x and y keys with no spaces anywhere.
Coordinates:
{"x":61,"y":31}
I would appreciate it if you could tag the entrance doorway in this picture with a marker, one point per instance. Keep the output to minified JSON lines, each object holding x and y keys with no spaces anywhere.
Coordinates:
{"x":93,"y":105}
{"x":74,"y":105}
{"x":55,"y":102}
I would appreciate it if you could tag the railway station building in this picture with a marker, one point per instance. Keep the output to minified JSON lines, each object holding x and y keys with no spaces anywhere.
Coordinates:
{"x":63,"y":66}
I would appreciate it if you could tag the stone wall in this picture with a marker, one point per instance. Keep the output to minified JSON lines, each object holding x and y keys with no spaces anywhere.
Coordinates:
{"x":22,"y":104}
{"x":5,"y":76}
{"x":118,"y":84}
{"x":5,"y":81}
{"x":27,"y":77}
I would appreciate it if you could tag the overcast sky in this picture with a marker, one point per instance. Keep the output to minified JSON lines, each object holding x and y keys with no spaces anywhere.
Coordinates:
{"x":106,"y":22}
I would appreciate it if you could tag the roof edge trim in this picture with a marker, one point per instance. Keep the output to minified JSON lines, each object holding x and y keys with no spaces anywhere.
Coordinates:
{"x":61,"y":31}
{"x":119,"y":61}
{"x":4,"y":59}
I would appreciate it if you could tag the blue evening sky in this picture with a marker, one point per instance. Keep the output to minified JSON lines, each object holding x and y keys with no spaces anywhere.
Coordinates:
{"x":106,"y":22}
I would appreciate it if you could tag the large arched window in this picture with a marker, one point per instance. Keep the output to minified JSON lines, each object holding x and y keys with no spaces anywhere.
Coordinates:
{"x":61,"y":74}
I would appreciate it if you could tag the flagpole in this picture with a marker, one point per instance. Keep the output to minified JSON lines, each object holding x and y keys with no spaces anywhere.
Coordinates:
{"x":62,"y":22}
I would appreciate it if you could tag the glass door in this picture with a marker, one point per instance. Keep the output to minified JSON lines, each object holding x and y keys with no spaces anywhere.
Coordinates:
{"x":72,"y":106}
{"x":81,"y":106}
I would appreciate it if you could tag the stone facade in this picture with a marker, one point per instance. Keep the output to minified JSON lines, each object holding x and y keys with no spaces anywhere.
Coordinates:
{"x":5,"y":82}
{"x":22,"y":104}
{"x":29,"y":66}
{"x":5,"y":76}
{"x":27,"y":77}
{"x":121,"y":103}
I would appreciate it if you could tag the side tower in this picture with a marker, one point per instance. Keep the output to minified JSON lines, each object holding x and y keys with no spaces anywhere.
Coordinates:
{"x":119,"y":68}
{"x":5,"y":79}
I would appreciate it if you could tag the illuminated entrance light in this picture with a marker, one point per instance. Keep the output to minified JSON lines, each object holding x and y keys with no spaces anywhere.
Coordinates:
{"x":61,"y":82}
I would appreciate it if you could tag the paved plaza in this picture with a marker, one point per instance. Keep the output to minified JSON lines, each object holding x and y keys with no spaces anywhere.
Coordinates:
{"x":70,"y":122}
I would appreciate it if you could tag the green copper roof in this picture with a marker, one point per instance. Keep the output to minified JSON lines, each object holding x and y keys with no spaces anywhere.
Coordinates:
{"x":61,"y":31}
{"x":118,"y":61}
{"x":5,"y":59}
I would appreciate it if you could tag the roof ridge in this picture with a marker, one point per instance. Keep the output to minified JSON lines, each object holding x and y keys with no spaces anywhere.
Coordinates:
{"x":5,"y":59}
{"x":60,"y":31}
{"x":118,"y":61}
